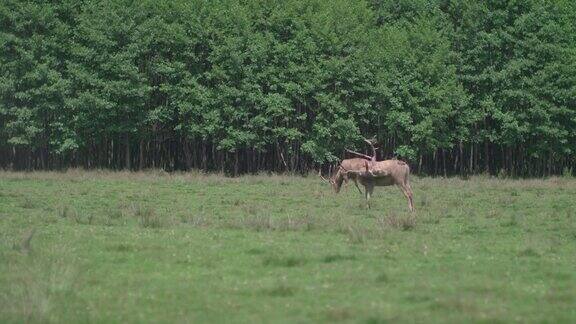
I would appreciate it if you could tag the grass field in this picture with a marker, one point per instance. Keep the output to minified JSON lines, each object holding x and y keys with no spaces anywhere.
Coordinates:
{"x":153,"y":247}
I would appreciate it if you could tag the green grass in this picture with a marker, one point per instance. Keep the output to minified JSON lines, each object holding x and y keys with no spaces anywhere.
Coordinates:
{"x":151,"y":247}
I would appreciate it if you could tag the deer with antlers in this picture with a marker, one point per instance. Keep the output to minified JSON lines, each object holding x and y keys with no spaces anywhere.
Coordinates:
{"x":371,"y":173}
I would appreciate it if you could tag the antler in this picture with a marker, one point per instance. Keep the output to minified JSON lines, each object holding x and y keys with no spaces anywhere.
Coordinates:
{"x":360,"y":154}
{"x":369,"y":141}
{"x":320,"y":175}
{"x":372,"y":146}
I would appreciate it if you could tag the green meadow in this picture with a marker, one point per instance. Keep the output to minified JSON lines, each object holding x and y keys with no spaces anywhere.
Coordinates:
{"x":111,"y":247}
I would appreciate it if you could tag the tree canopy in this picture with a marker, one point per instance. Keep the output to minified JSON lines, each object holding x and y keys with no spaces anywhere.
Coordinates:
{"x":248,"y":85}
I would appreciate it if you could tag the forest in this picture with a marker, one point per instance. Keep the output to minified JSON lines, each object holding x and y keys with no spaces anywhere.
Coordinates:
{"x":454,"y":87}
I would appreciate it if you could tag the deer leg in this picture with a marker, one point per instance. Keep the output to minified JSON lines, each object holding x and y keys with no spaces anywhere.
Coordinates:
{"x":356,"y":184}
{"x":407,"y":191}
{"x":368,"y":190}
{"x":346,"y":179}
{"x":410,"y":197}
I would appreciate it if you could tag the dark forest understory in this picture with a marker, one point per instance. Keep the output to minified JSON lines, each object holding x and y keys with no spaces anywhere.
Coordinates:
{"x":173,"y":155}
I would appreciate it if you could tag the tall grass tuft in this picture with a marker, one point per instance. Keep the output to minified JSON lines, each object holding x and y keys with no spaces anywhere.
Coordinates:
{"x":357,"y":234}
{"x":27,"y":203}
{"x":405,"y":223}
{"x":147,"y":217}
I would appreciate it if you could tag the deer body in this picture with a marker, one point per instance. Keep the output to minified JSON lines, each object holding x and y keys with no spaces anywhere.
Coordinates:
{"x":372,"y":174}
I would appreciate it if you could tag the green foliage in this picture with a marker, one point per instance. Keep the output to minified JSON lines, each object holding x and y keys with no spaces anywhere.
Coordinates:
{"x":95,"y":83}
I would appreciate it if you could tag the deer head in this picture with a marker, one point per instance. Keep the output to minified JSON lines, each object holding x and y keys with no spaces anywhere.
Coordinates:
{"x":335,"y":181}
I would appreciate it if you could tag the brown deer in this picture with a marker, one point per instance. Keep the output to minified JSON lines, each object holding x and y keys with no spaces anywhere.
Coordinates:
{"x":371,"y":173}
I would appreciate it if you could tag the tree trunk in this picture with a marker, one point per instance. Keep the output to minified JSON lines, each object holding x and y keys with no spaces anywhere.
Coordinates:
{"x":127,"y":147}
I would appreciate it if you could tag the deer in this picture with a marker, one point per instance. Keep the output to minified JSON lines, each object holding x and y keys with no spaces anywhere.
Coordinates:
{"x":352,"y":164}
{"x":371,"y":173}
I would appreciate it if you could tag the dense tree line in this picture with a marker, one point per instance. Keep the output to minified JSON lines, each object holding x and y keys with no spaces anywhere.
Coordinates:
{"x":452,"y":86}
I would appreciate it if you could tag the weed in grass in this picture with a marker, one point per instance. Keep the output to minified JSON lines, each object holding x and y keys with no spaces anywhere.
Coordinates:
{"x":37,"y":286}
{"x":77,"y":218}
{"x":512,"y":221}
{"x":250,"y":210}
{"x":266,"y":223}
{"x":338,"y":314}
{"x":24,"y":245}
{"x":357,"y":234}
{"x":383,"y":278}
{"x":455,"y":304}
{"x":429,"y":218}
{"x":70,"y":213}
{"x":113,"y":217}
{"x":147,"y":217}
{"x":115,"y":214}
{"x":28,"y":203}
{"x":529,"y":252}
{"x":423,"y":201}
{"x":379,"y":320}
{"x":337,"y":257}
{"x":195,"y":220}
{"x":404,"y":223}
{"x":493,"y":213}
{"x":122,"y":247}
{"x":297,"y":223}
{"x":309,"y":222}
{"x":281,"y":291}
{"x":471,"y":229}
{"x":286,"y":261}
{"x":255,"y":251}
{"x":258,"y":222}
{"x":64,"y":211}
